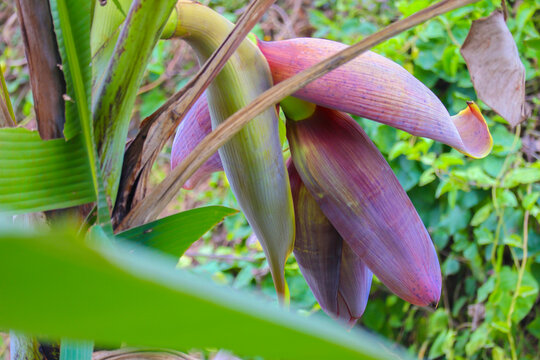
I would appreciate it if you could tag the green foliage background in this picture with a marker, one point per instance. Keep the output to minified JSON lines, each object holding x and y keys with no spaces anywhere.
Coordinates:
{"x":475,"y":210}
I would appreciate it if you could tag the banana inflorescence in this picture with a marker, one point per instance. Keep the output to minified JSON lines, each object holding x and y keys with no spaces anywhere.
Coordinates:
{"x":352,"y":216}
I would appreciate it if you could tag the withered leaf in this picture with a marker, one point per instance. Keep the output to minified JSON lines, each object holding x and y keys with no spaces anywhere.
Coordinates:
{"x":496,"y":71}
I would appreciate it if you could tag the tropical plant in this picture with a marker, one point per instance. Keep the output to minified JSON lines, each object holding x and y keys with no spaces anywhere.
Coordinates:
{"x":96,"y":277}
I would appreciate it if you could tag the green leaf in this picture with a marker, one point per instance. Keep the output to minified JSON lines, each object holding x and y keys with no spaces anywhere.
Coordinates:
{"x":534,"y":327}
{"x":450,"y":266}
{"x":506,"y":198}
{"x":447,"y":160}
{"x":427,"y":177}
{"x":501,"y":326}
{"x":483,"y":236}
{"x":115,"y":97}
{"x":530,"y":199}
{"x":37,"y":175}
{"x":174,"y":234}
{"x":498,"y":353}
{"x":486,"y":289}
{"x":476,"y":174}
{"x":72,"y":25}
{"x":482,"y":214}
{"x":478,"y":339}
{"x":76,"y":350}
{"x":437,"y":322}
{"x":103,"y":292}
{"x":436,"y":349}
{"x":513,"y":240}
{"x":521,"y":176}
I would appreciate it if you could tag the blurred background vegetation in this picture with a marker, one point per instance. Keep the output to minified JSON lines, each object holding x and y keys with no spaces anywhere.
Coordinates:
{"x":481,"y":214}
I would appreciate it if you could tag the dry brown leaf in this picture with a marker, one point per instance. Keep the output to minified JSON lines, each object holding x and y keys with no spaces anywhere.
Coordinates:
{"x":496,"y":71}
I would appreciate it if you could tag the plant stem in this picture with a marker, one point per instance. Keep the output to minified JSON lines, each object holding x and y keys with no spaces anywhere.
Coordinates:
{"x":520,"y":278}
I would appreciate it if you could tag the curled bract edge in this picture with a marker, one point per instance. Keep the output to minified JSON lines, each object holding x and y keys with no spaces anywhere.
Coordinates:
{"x":378,"y":89}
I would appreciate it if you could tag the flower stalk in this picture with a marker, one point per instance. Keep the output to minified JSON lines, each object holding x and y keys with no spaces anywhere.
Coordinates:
{"x":252,"y":159}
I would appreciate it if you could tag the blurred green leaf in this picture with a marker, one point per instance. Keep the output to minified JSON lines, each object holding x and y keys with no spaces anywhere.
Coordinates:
{"x":478,"y":339}
{"x":438,"y":322}
{"x":482,"y":214}
{"x":534,"y":327}
{"x":174,"y":234}
{"x":513,"y":240}
{"x":521,"y":176}
{"x":530,"y":199}
{"x":140,"y":299}
{"x":450,"y":266}
{"x":501,"y":326}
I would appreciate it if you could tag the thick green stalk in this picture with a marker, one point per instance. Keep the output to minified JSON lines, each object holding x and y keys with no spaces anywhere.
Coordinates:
{"x":252,"y":159}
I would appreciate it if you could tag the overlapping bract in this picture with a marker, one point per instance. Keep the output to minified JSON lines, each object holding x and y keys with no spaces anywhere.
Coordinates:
{"x":377,"y":88}
{"x":360,"y":195}
{"x":351,"y":213}
{"x":338,"y":278}
{"x":193,"y":128}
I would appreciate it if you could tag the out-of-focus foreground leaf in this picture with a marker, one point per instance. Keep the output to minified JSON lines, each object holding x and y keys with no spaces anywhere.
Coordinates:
{"x":103,"y":292}
{"x":38,"y":175}
{"x":497,"y":73}
{"x":174,"y":234}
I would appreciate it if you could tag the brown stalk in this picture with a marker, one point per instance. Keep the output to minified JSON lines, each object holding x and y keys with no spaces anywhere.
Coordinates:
{"x":156,"y":129}
{"x":150,"y":207}
{"x":44,"y":64}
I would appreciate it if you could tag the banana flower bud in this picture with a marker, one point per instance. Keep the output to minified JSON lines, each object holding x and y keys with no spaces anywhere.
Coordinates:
{"x":338,"y":278}
{"x":377,"y":88}
{"x":193,"y":128}
{"x":360,"y":195}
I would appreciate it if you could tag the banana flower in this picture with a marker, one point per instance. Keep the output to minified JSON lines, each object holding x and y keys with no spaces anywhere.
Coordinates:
{"x":338,"y":278}
{"x":373,"y":220}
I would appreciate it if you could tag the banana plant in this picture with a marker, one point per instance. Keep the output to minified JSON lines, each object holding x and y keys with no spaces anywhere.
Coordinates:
{"x":99,"y":285}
